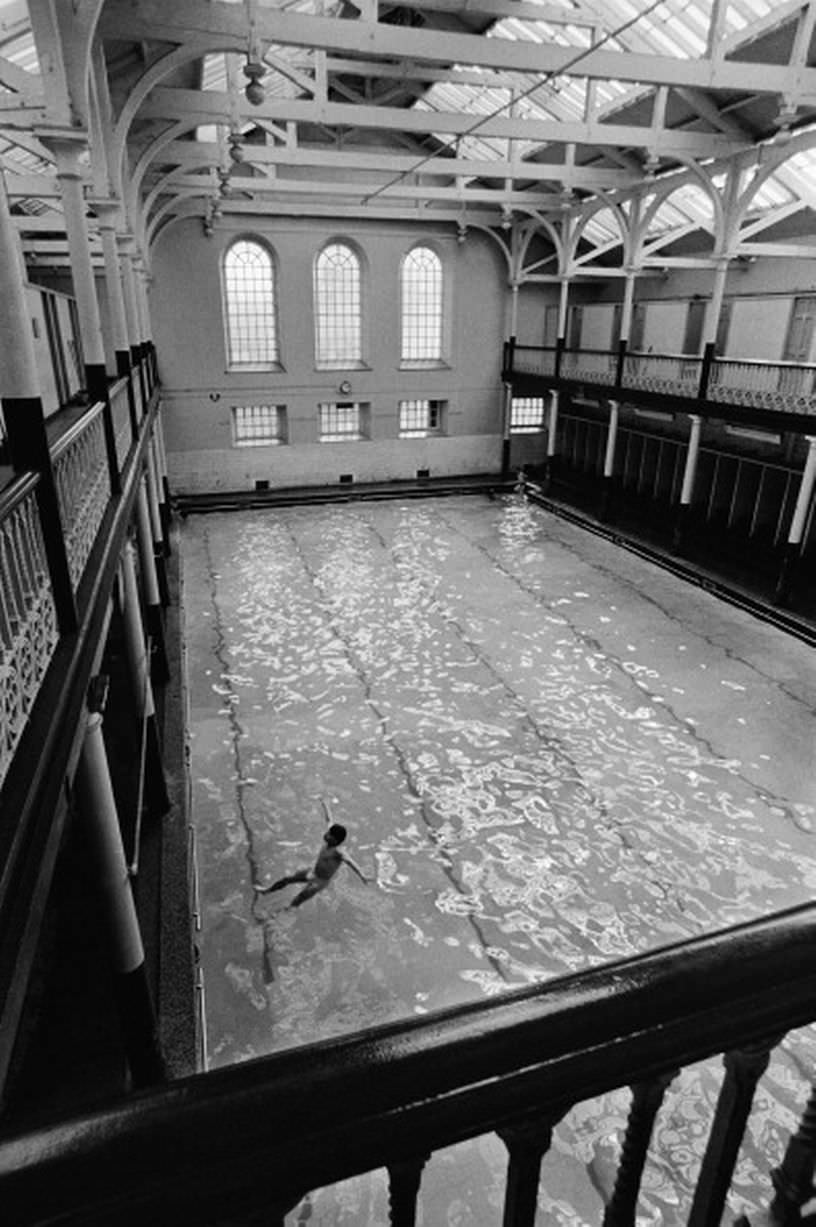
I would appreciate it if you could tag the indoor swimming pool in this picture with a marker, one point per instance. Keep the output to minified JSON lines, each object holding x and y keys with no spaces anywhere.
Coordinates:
{"x":549,"y":754}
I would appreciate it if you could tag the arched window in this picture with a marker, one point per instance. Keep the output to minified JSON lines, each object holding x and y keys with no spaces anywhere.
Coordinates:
{"x":421,"y":306}
{"x":338,"y":307}
{"x":249,"y":291}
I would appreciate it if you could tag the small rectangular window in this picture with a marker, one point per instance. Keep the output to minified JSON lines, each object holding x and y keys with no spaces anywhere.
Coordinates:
{"x":526,"y":414}
{"x":419,"y":418}
{"x":258,"y":425}
{"x":342,"y":420}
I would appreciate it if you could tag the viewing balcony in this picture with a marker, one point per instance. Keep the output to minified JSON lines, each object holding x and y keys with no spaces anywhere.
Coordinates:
{"x":767,"y":393}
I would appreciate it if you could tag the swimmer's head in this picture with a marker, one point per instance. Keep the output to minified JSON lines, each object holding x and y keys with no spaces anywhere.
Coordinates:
{"x":335,"y":834}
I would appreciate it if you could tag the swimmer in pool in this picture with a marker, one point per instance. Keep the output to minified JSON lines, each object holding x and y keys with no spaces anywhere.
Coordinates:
{"x":329,"y":859}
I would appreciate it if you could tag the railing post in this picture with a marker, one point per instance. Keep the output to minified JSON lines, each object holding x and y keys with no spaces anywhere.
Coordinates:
{"x":403,"y":1190}
{"x":646,"y":1100}
{"x":793,"y":1179}
{"x":623,"y":345}
{"x":743,"y":1070}
{"x":98,"y":391}
{"x":507,"y":411}
{"x":560,"y":344}
{"x":28,"y":450}
{"x":526,"y":1145}
{"x":705,"y":370}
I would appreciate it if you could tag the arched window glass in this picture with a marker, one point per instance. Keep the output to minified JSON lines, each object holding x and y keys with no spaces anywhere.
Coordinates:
{"x":338,"y":306}
{"x":421,"y":306}
{"x":249,"y":290}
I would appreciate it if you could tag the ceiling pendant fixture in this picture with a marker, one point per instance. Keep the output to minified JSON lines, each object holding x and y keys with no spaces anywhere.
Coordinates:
{"x":254,"y":69}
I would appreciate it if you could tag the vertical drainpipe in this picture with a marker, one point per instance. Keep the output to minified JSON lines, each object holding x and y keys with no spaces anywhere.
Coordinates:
{"x":136,"y":650}
{"x":103,"y":844}
{"x":609,"y":462}
{"x":790,"y":557}
{"x":160,"y":671}
{"x":687,"y":490}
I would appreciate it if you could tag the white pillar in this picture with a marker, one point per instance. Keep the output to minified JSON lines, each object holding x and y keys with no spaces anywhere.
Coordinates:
{"x":611,"y":439}
{"x":108,"y":212}
{"x":690,"y":470}
{"x":19,"y":377}
{"x":803,"y":498}
{"x":103,"y":844}
{"x":67,"y":149}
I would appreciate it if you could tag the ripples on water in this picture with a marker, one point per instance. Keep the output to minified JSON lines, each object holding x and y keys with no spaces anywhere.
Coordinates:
{"x":535,"y":794}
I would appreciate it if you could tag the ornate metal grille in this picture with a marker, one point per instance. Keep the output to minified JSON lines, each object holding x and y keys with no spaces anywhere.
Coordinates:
{"x":28,"y":621}
{"x":83,"y":490}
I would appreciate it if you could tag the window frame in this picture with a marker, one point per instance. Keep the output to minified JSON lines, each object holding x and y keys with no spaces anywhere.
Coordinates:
{"x":438,"y":360}
{"x":268,"y":364}
{"x":523,"y":427}
{"x":339,"y":435}
{"x":433,"y":406}
{"x":345,"y":362}
{"x":278,"y":440}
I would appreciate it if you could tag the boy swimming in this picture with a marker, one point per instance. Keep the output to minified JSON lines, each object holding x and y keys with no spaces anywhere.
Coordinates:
{"x":328,"y":861}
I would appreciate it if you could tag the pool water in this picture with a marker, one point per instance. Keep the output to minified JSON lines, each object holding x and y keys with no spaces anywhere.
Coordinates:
{"x":548,"y":753}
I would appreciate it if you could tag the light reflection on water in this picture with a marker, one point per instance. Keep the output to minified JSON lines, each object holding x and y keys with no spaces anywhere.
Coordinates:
{"x":541,"y":765}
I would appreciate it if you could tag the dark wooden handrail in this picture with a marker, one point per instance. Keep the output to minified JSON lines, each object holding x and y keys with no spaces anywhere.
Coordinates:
{"x":63,"y":441}
{"x":12,"y":494}
{"x":262,"y":1133}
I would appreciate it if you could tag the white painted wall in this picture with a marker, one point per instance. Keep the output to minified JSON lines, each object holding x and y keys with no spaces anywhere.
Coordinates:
{"x":199,"y":390}
{"x":665,"y":327}
{"x":596,"y":326}
{"x":759,"y":327}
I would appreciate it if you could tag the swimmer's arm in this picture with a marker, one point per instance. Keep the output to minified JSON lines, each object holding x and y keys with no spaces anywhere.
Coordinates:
{"x":352,"y":865}
{"x":327,"y":811}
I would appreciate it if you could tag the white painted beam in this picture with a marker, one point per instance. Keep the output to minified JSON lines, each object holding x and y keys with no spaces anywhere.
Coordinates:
{"x":197,"y":153}
{"x":156,"y":20}
{"x":212,"y":107}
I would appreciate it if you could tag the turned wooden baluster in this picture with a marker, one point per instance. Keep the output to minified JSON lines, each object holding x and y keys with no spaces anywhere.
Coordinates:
{"x":403,"y":1189}
{"x":646,"y":1100}
{"x":793,"y":1179}
{"x":526,"y":1145}
{"x":743,"y":1070}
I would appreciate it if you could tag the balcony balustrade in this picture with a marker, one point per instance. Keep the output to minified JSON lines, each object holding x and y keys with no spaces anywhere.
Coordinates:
{"x":392,"y":1096}
{"x":82,"y":480}
{"x":782,"y":387}
{"x":28,"y":617}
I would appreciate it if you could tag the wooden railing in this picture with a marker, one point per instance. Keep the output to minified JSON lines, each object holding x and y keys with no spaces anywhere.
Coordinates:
{"x":765,"y":387}
{"x":259,"y":1135}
